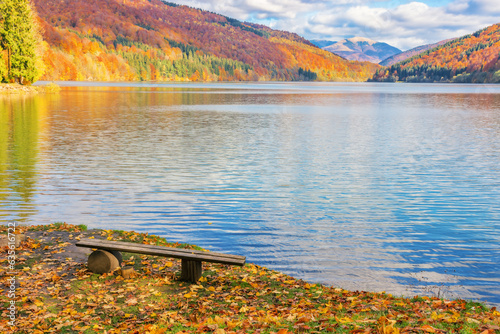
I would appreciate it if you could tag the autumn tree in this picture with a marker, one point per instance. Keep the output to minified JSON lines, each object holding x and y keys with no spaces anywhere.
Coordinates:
{"x":20,"y":42}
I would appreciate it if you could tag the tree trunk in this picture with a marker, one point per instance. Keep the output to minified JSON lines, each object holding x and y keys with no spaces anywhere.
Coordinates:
{"x":8,"y":63}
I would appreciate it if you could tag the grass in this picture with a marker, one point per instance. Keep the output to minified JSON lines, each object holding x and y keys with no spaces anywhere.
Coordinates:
{"x":67,"y":298}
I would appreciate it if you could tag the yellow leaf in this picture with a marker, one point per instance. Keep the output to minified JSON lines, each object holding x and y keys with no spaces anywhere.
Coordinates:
{"x":38,"y":303}
{"x":203,"y":279}
{"x":219,"y":320}
{"x":211,"y":288}
{"x":92,"y":237}
{"x":169,"y":264}
{"x":195,"y":287}
{"x":188,"y":295}
{"x":386,"y":326}
{"x":343,"y":320}
{"x":473,"y":321}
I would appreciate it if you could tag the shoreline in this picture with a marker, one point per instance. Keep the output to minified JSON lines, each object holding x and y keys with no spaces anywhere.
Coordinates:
{"x":17,"y":89}
{"x":55,"y":289}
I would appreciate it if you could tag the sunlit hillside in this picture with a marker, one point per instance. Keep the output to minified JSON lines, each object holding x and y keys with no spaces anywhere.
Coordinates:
{"x":472,"y":58}
{"x":155,"y":40}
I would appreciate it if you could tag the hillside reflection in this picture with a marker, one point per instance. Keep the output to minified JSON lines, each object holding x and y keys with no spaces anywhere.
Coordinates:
{"x":21,"y":122}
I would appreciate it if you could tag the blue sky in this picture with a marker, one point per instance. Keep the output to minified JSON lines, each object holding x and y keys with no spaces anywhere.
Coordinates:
{"x":404,"y":24}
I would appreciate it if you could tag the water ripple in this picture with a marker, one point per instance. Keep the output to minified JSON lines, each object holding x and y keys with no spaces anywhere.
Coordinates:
{"x":371,"y":187}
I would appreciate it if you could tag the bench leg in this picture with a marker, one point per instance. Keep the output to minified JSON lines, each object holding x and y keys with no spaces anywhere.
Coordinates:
{"x":190,"y":271}
{"x":101,"y":261}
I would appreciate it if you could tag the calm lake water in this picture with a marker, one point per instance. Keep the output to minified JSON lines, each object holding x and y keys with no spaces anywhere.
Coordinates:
{"x":380,"y":187}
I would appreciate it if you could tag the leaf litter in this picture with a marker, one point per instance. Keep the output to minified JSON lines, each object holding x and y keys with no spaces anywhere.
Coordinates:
{"x":55,"y":293}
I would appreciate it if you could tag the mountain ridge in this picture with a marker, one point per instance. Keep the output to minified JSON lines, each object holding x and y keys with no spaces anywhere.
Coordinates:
{"x":361,"y":49}
{"x":473,"y":58}
{"x":411,"y":52}
{"x":154,"y":40}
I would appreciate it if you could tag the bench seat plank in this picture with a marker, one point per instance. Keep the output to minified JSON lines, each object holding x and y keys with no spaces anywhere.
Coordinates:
{"x":184,"y":254}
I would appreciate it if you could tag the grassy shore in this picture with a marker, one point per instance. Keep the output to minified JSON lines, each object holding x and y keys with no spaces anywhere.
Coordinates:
{"x":56,"y":293}
{"x":8,"y":89}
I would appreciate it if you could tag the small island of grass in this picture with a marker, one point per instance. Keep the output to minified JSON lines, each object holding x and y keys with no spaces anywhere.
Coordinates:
{"x":54,"y":291}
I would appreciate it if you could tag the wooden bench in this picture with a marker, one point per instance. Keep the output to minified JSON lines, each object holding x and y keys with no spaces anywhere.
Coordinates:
{"x":191,"y":267}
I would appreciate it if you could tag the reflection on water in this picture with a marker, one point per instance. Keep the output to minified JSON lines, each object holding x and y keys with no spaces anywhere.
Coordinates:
{"x":370,"y":187}
{"x":20,"y":126}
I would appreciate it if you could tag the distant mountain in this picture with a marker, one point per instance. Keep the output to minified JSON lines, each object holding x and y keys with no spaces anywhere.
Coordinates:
{"x":362,"y":49}
{"x":321,"y":43}
{"x":410,"y":53}
{"x":118,"y":40}
{"x":472,"y":58}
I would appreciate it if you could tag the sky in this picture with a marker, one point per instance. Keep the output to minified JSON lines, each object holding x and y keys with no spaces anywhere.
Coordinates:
{"x":403,"y":24}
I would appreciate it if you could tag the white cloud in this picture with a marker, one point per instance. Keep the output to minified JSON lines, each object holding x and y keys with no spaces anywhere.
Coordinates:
{"x":400,"y":23}
{"x":458,"y":6}
{"x":405,"y":26}
{"x":484,"y":7}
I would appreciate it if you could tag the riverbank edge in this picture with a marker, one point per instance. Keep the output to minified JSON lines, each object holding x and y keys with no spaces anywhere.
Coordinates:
{"x":16,"y":89}
{"x":225,"y":300}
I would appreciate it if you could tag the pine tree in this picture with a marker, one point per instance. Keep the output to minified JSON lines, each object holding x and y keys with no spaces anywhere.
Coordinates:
{"x":20,"y":42}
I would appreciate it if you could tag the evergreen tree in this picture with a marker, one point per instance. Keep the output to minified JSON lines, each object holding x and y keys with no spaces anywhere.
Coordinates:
{"x":20,"y":42}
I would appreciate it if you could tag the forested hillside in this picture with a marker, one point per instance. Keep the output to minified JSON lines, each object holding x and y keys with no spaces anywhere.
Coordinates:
{"x":155,"y":40}
{"x":473,"y":58}
{"x":410,"y":53}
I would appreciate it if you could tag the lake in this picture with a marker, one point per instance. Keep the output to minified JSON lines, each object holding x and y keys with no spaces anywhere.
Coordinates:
{"x":379,"y":187}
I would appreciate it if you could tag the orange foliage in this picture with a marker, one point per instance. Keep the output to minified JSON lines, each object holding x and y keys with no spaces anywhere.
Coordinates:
{"x":475,"y":55}
{"x":94,"y":34}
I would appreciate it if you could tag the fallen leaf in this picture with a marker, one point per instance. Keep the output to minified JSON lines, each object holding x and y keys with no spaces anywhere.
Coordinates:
{"x":131,"y":301}
{"x":428,"y":329}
